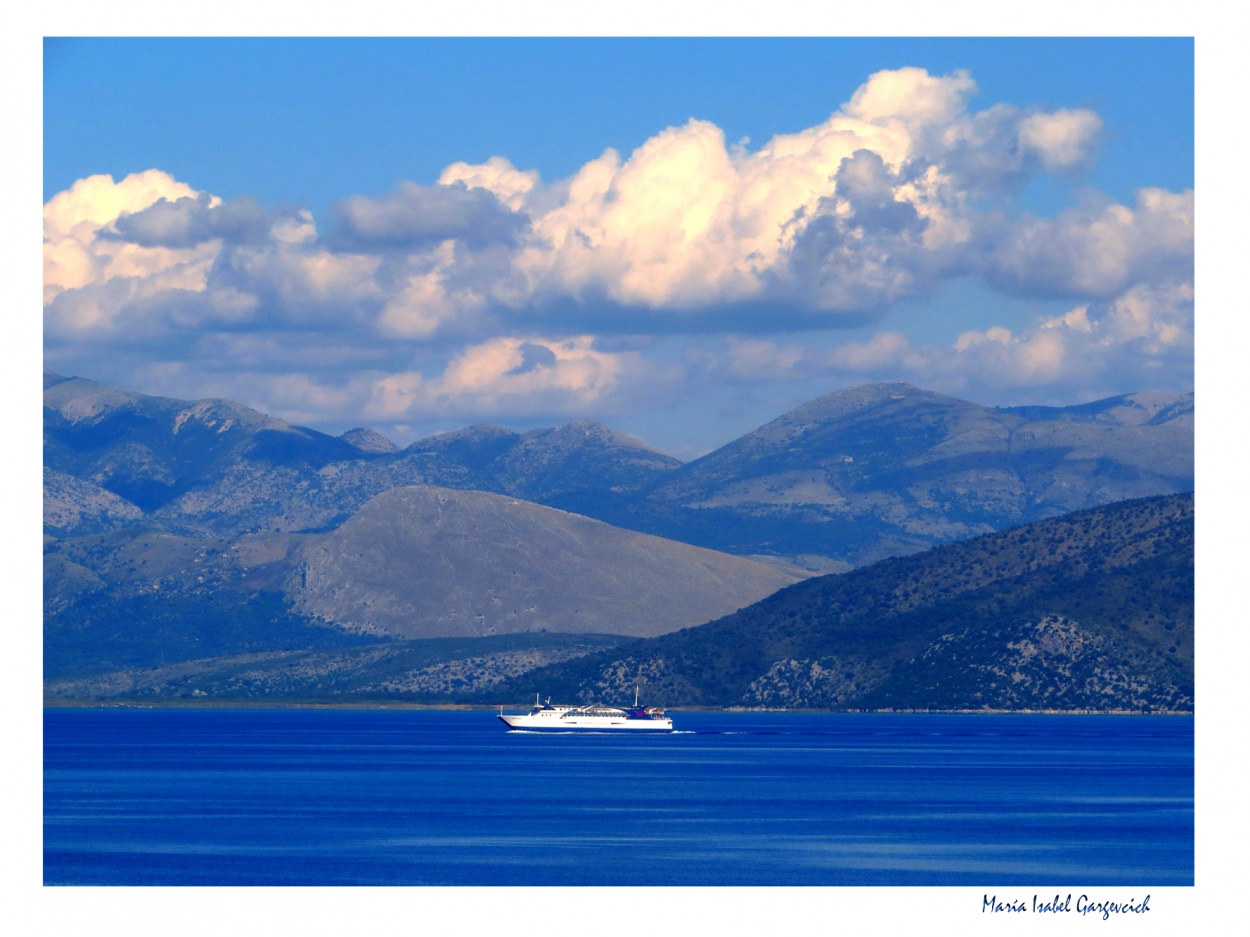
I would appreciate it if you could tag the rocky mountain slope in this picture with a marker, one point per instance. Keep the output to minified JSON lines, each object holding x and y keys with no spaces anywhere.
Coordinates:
{"x":179,"y":530}
{"x":219,"y":468}
{"x":414,"y":562}
{"x":888,"y":469}
{"x":851,"y":477}
{"x":426,"y":562}
{"x":1092,"y":610}
{"x":152,"y":450}
{"x":1089,"y":611}
{"x":581,"y":466}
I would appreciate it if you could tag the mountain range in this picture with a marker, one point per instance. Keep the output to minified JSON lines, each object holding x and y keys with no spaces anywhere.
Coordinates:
{"x":854,"y":476}
{"x":889,"y":469}
{"x":181,"y":531}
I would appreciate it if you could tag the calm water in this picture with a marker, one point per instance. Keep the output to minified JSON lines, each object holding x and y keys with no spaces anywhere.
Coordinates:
{"x":322,"y":797}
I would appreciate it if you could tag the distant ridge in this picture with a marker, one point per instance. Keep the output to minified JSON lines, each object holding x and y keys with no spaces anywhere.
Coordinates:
{"x":367,"y":440}
{"x":889,"y":469}
{"x":848,"y":478}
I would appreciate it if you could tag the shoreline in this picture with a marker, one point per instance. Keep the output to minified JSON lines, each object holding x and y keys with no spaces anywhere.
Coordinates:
{"x":482,"y":707}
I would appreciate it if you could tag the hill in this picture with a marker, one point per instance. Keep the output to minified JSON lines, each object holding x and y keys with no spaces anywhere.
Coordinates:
{"x":429,"y":670}
{"x":1092,"y":610}
{"x":434,"y":562}
{"x":411,"y":563}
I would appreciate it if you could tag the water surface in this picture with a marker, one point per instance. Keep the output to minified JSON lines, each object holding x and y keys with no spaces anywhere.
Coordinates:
{"x":405,"y":797}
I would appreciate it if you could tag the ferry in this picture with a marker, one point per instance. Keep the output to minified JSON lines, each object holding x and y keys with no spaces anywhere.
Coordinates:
{"x":545,"y":717}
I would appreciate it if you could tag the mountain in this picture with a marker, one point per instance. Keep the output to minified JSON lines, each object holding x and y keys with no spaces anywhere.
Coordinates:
{"x":208,"y":467}
{"x":151,"y":450}
{"x":474,"y":447}
{"x":579,"y":457}
{"x":889,"y":469}
{"x":222,"y":469}
{"x":413,"y":562}
{"x":1093,"y":610}
{"x":581,"y":466}
{"x":178,"y":530}
{"x":854,"y":476}
{"x":434,"y":562}
{"x":367,"y":440}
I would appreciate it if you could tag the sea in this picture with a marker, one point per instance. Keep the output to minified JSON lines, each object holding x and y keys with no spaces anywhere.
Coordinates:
{"x":187,"y":796}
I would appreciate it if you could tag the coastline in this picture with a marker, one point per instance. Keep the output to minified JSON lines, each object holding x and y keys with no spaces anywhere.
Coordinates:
{"x":482,"y":707}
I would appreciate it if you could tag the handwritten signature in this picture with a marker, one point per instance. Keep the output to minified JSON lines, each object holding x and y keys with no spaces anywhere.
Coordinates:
{"x":1084,"y":905}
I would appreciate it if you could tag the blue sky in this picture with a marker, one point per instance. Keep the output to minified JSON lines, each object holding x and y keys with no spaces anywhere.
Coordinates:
{"x":354,"y":116}
{"x":420,"y":234}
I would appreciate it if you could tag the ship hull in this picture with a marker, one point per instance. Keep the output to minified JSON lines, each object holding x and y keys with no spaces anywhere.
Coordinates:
{"x":573,"y":724}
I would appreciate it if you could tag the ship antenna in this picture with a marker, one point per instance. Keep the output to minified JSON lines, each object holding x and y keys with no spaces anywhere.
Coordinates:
{"x":635,"y":696}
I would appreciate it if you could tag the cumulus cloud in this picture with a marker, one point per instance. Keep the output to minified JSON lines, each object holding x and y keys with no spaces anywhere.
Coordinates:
{"x":76,"y":257}
{"x":873,"y":205}
{"x":497,"y":176}
{"x":1097,"y":250}
{"x":1129,"y":340}
{"x":507,"y":375}
{"x":188,"y":222}
{"x":414,"y":215}
{"x":93,"y":202}
{"x":1063,"y":140}
{"x":484,"y":289}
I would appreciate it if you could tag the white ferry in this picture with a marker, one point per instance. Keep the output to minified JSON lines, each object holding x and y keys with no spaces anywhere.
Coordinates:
{"x":545,"y":717}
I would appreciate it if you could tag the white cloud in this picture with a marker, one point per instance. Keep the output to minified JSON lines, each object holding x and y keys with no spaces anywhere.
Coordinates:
{"x":496,"y":175}
{"x":418,"y":309}
{"x":76,"y":257}
{"x":523,"y":377}
{"x":870,"y":206}
{"x":1063,"y":140}
{"x":480,"y":294}
{"x":93,"y":202}
{"x":911,"y":97}
{"x":1128,"y":341}
{"x":1098,"y":250}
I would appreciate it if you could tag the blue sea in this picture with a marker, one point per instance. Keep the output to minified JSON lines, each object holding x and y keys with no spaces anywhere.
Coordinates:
{"x":407,"y":797}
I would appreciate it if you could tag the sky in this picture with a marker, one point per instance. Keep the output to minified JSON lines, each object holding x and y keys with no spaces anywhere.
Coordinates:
{"x":681,"y":238}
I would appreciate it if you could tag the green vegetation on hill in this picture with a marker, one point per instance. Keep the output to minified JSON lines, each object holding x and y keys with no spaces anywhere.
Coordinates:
{"x":1093,"y":610}
{"x":1090,"y":611}
{"x":430,"y":670}
{"x":106,"y":632}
